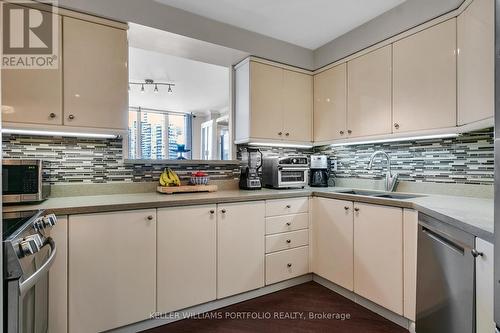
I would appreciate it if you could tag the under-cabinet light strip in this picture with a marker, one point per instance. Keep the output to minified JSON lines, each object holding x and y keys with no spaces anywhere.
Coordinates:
{"x":413,"y":138}
{"x":274,"y":144}
{"x":58,"y":133}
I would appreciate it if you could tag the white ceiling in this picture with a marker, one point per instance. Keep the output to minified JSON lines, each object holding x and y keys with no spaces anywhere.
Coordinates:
{"x":199,"y":87}
{"x":307,"y":23}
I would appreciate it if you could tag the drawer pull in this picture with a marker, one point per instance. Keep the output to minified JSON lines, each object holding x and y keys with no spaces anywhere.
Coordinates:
{"x":346,"y":208}
{"x":289,"y":223}
{"x":288,"y":241}
{"x":212,"y":212}
{"x":288,"y":265}
{"x":150,"y":217}
{"x":356,"y":209}
{"x":223,"y":211}
{"x":288,"y":206}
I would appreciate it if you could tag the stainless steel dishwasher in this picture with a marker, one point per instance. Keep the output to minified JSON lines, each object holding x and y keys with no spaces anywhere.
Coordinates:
{"x":445,"y":278}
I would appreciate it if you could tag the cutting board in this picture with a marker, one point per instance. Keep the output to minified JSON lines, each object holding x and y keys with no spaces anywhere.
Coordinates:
{"x":186,"y":189}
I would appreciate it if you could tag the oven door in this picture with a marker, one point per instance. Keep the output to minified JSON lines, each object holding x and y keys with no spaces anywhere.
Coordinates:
{"x":292,"y":177}
{"x":29,"y":295}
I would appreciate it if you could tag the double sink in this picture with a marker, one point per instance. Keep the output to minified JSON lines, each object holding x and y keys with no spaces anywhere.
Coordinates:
{"x":377,"y":194}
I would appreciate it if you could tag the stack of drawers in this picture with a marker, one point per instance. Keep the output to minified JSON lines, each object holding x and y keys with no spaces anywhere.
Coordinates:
{"x":287,"y":239}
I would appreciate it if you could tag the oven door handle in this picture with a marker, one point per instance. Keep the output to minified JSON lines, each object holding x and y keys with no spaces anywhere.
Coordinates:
{"x":301,"y":169}
{"x":33,"y":279}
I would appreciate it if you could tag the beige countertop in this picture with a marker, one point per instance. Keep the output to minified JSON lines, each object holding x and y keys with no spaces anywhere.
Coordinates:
{"x":472,"y":215}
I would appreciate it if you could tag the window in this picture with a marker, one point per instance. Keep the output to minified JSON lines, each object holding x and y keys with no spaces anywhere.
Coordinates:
{"x":156,"y":135}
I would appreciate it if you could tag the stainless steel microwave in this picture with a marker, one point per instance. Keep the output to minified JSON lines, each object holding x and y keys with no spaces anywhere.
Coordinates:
{"x":24,"y":181}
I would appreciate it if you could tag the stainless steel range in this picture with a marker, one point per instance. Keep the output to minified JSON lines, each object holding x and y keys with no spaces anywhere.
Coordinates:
{"x":29,"y":252}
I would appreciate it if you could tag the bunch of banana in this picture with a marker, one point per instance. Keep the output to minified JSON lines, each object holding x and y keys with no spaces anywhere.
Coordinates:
{"x":169,"y":178}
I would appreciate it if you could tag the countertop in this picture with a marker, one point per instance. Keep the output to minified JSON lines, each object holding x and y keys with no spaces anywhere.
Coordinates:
{"x":472,"y":215}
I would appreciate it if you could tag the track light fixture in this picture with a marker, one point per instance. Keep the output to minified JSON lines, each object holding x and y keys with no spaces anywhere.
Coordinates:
{"x":149,"y":82}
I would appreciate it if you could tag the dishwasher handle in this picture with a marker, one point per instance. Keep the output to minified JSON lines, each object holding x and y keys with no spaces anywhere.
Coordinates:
{"x":444,"y":241}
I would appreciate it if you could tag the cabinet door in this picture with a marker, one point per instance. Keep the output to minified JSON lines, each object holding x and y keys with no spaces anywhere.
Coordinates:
{"x":58,"y":279}
{"x":330,"y":104}
{"x":378,"y":255}
{"x":33,"y":95}
{"x":369,"y":104}
{"x":95,"y":75}
{"x":186,"y":257}
{"x":425,"y":79}
{"x":112,"y":271}
{"x":266,"y":101}
{"x":333,"y":240}
{"x":484,"y":287}
{"x":297,"y":106}
{"x":240,"y":243}
{"x":475,"y":36}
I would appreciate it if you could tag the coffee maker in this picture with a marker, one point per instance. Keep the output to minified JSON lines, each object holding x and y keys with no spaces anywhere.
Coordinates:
{"x":319,"y":171}
{"x":251,"y":162}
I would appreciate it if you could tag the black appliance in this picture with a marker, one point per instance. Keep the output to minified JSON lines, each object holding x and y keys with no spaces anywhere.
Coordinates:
{"x":251,"y":162}
{"x":319,"y":171}
{"x":28,"y":254}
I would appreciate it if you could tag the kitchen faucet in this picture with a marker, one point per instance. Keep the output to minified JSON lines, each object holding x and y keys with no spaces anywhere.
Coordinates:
{"x":390,"y":179}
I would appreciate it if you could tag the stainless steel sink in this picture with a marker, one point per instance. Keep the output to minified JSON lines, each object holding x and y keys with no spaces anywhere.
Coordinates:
{"x":398,"y":196}
{"x":378,"y":194}
{"x":362,"y":192}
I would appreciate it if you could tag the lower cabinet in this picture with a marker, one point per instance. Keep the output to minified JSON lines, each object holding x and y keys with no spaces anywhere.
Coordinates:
{"x":484,"y":287}
{"x":186,"y":256}
{"x":241,"y":247}
{"x":333,"y":241}
{"x":112,"y":269}
{"x":378,"y":255}
{"x":287,"y":264}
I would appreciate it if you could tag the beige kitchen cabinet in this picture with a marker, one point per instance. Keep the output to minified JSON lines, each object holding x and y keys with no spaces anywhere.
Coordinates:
{"x":95,"y":75}
{"x":410,"y":235}
{"x":333,"y":241}
{"x":475,"y":37}
{"x":112,"y":269}
{"x":58,"y":279}
{"x":272,"y":103}
{"x":330,"y":104}
{"x":186,"y":256}
{"x":297,"y":106}
{"x":33,"y":96}
{"x":369,"y":83}
{"x":378,"y":255}
{"x":425,"y":80}
{"x":484,"y":287}
{"x":240,"y":247}
{"x":287,"y":264}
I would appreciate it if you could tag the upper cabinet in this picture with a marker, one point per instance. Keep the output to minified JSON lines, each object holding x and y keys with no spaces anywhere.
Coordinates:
{"x":330,"y":104}
{"x":272,"y":104}
{"x":476,"y":49}
{"x":424,"y":70}
{"x":95,"y":75}
{"x":88,"y":90}
{"x":28,"y":98}
{"x":369,"y":107}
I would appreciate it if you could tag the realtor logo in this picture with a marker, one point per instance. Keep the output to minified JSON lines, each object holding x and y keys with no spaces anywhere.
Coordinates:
{"x":30,"y":35}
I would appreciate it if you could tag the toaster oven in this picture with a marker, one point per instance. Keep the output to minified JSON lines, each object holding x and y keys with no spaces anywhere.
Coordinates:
{"x":285,"y":172}
{"x":24,"y":181}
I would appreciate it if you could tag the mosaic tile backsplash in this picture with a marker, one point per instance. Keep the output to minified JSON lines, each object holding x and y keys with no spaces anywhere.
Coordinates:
{"x":468,"y":159}
{"x":74,"y":160}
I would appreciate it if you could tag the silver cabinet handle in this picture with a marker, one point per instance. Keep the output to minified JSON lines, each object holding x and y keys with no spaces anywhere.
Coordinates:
{"x":356,"y":209}
{"x":341,"y":132}
{"x":349,"y":132}
{"x":212,"y":212}
{"x":288,"y":265}
{"x":289,"y":223}
{"x":52,"y":115}
{"x":396,"y":125}
{"x":288,"y":206}
{"x":280,"y":133}
{"x":288,"y":241}
{"x":287,"y":134}
{"x":71,"y":117}
{"x":346,"y":207}
{"x":475,"y":253}
{"x":223,"y":211}
{"x":150,"y":217}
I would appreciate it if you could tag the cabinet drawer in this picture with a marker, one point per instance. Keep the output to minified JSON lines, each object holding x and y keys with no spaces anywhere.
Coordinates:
{"x":287,"y":206}
{"x":287,"y":264}
{"x":285,"y":223}
{"x":287,"y":240}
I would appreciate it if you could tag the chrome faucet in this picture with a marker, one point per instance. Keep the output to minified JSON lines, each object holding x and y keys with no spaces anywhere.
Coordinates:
{"x":390,"y":179}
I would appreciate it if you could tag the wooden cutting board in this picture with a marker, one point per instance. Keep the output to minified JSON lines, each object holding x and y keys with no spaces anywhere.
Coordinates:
{"x":186,"y":189}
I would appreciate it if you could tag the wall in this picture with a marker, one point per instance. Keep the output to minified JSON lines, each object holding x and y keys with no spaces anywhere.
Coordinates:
{"x":75,"y":160}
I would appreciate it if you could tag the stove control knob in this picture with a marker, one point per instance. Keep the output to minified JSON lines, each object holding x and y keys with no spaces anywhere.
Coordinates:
{"x":30,"y":245}
{"x":49,"y":220}
{"x":39,"y":224}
